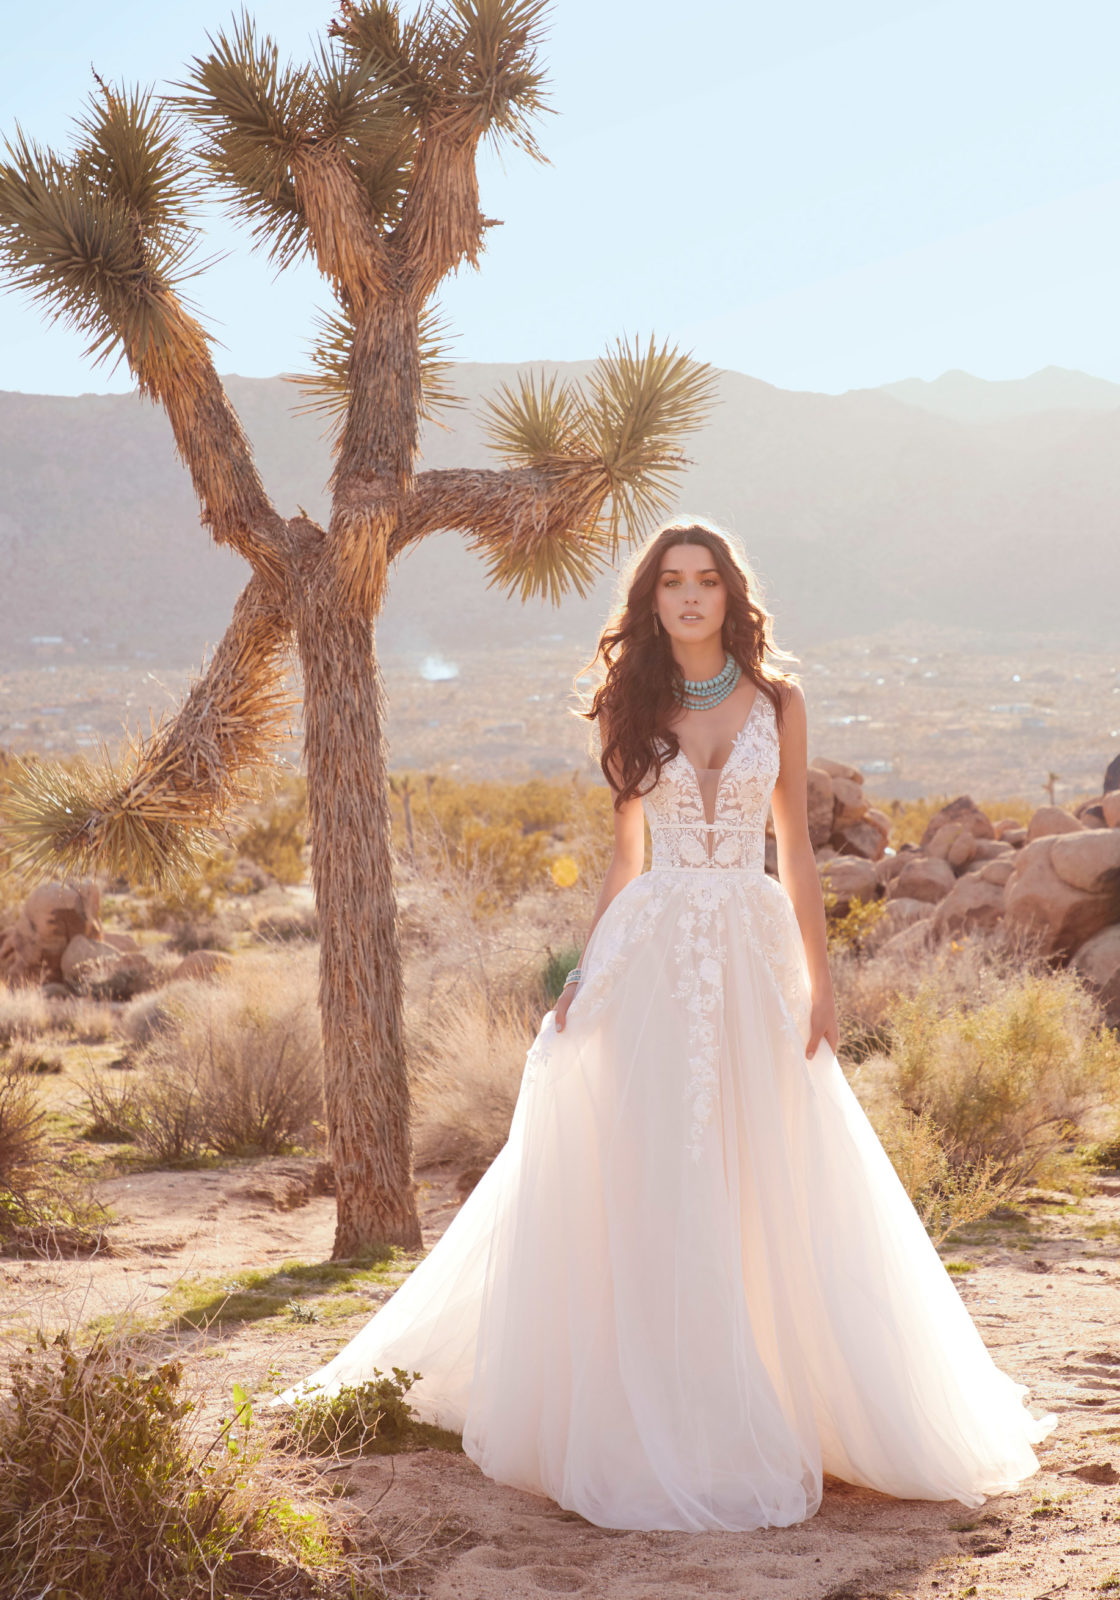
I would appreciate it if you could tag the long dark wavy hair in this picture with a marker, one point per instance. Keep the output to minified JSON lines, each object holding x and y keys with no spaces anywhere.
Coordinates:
{"x":641,"y":680}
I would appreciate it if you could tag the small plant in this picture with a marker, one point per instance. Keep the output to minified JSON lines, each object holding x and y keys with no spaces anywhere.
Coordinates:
{"x":850,"y":931}
{"x":556,"y":968}
{"x":371,"y":1418}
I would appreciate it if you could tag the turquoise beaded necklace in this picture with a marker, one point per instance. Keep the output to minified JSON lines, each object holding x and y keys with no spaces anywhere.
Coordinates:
{"x":701,"y":693}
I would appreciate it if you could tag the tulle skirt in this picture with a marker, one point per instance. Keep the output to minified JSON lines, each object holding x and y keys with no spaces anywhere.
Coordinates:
{"x":691,"y":1280}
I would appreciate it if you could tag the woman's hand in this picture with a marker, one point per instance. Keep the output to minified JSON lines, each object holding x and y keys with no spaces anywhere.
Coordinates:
{"x":822,"y":1024}
{"x":566,"y":997}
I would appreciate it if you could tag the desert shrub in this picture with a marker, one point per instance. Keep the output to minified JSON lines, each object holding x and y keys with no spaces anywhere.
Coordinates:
{"x":22,"y":1132}
{"x":946,"y":1193}
{"x":850,"y":931}
{"x":155,"y":1012}
{"x":954,"y":975}
{"x":28,"y":1056}
{"x":291,"y":925}
{"x":112,"y":1105}
{"x":374,"y":1416}
{"x":1011,"y":1078}
{"x":466,"y":1056}
{"x":502,"y":862}
{"x":108,"y":1488}
{"x":169,"y":1113}
{"x":84,"y":1020}
{"x":187,"y":934}
{"x":238,"y":1068}
{"x":276,"y":838}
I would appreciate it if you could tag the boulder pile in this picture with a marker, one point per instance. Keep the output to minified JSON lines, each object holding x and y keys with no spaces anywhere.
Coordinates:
{"x":57,"y":941}
{"x":1057,"y":879}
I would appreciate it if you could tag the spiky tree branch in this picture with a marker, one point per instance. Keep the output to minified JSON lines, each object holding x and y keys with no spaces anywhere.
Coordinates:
{"x":102,"y":240}
{"x":149,"y":822}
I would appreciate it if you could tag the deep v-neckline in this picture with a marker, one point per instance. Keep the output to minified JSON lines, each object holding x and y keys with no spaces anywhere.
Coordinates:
{"x":726,"y":764}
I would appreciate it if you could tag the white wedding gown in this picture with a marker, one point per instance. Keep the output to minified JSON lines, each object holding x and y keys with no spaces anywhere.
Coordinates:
{"x":691,"y":1280}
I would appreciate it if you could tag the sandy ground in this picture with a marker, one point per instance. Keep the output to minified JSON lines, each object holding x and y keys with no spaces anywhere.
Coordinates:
{"x":1045,"y":1294}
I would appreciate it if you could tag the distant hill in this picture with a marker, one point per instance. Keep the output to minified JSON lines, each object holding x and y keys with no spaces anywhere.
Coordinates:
{"x":967,"y":399}
{"x":859,"y":511}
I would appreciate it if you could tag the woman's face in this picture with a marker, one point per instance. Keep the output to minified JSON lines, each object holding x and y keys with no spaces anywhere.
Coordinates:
{"x":691,"y":597}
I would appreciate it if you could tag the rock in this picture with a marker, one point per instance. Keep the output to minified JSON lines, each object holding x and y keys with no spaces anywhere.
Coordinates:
{"x":1090,"y":862}
{"x":1111,"y":775}
{"x":52,"y":915}
{"x":1015,"y":837}
{"x":848,"y":804}
{"x":850,"y":879}
{"x":820,"y":806}
{"x":838,"y":769}
{"x":889,"y":866}
{"x":923,"y":878}
{"x":991,"y":849}
{"x":825,"y":852}
{"x":1098,"y":962}
{"x":962,"y":850}
{"x":1110,"y":808}
{"x":57,"y":991}
{"x":1039,"y":900}
{"x":860,"y":839}
{"x":80,"y":952}
{"x":897,"y":914}
{"x":964,"y":810}
{"x":912,"y":943}
{"x":121,"y":941}
{"x":944,"y":837}
{"x":997,"y":871}
{"x":202,"y":966}
{"x":1051,"y":819}
{"x":1090,"y":814}
{"x":972,"y":905}
{"x":1006,"y":825}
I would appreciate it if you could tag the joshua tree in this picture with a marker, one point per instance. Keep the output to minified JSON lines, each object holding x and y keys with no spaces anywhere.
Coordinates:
{"x":366,"y":160}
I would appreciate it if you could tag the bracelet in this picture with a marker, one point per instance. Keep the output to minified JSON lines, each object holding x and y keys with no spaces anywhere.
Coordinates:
{"x":573,"y":977}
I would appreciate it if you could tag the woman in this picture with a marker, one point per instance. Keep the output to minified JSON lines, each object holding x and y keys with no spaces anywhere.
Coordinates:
{"x":691,"y":1281}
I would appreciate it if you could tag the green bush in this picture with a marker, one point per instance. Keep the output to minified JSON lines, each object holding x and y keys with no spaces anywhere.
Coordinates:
{"x":371,"y":1418}
{"x":1011,"y":1079}
{"x":106,"y":1492}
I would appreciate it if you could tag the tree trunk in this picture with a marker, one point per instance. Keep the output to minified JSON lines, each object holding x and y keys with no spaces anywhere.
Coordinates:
{"x":360,"y":987}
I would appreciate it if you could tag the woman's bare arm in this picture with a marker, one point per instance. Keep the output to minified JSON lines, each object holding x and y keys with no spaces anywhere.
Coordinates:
{"x":625,"y":865}
{"x":797,"y":867}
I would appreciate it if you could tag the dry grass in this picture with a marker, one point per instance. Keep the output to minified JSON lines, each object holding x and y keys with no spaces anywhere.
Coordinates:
{"x":466,"y":1057}
{"x":238,"y":1067}
{"x":24,"y":1014}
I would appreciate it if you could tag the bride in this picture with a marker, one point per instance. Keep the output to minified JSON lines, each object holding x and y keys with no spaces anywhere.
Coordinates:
{"x":691,"y":1282}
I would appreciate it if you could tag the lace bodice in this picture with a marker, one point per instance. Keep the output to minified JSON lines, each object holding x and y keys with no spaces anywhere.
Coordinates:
{"x":680,"y":832}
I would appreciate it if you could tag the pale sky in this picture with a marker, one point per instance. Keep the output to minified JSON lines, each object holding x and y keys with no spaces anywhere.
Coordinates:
{"x":826,"y":196}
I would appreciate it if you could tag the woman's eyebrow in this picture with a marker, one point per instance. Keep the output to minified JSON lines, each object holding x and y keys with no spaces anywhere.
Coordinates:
{"x":668,"y":571}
